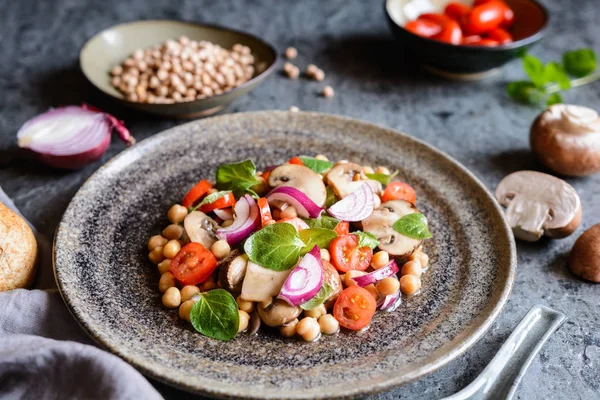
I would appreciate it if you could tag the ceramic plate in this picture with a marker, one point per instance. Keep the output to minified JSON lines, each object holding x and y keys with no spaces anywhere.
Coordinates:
{"x":106,"y":279}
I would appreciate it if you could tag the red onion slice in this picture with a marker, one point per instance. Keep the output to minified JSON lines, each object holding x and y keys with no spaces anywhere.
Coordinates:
{"x":377,"y":275}
{"x":247,"y":220}
{"x":305,"y":280}
{"x":304,"y":206}
{"x":357,"y":206}
{"x":390,"y":302}
{"x":71,"y":137}
{"x":224,"y":213}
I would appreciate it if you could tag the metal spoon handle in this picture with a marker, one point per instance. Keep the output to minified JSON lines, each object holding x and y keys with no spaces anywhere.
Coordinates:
{"x":499,"y":380}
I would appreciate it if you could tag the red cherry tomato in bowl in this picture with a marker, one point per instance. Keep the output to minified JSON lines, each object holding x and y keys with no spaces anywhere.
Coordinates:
{"x":500,"y":35}
{"x":347,"y":256}
{"x":451,"y":33}
{"x":354,"y":308}
{"x":193,"y":264}
{"x":456,"y":10}
{"x":484,"y":17}
{"x":471,"y":39}
{"x":486,"y":43}
{"x":423,"y":27}
{"x":437,"y":18}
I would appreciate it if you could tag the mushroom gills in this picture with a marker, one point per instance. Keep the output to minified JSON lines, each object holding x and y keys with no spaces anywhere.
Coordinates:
{"x":261,"y":284}
{"x":200,"y":228}
{"x":232,"y":271}
{"x":302,"y":178}
{"x":527,"y":219}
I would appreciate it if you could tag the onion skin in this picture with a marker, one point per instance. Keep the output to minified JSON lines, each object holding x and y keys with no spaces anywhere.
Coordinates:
{"x":74,"y":161}
{"x":355,"y":207}
{"x":293,"y":296}
{"x":239,"y":231}
{"x":303,"y":204}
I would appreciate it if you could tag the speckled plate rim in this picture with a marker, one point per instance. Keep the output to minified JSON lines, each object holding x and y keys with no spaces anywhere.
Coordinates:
{"x":464,"y":340}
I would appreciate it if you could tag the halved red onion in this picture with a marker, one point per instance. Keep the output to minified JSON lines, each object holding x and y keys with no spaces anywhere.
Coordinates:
{"x":247,"y":220}
{"x":357,"y":206}
{"x":377,"y":275}
{"x":390,"y":302}
{"x":224,"y":213}
{"x":71,"y":137}
{"x":305,"y":280}
{"x":304,"y":206}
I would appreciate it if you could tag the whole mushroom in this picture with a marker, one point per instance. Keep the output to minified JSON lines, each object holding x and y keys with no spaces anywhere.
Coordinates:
{"x":566,"y":139}
{"x":302,"y":178}
{"x":539,"y":204}
{"x":584,"y":260}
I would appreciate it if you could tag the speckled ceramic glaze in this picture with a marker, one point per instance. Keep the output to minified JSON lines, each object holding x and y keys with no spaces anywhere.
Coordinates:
{"x":110,"y":286}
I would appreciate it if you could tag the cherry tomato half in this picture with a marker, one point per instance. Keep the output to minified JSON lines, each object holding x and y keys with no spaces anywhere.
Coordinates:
{"x":343,"y":228}
{"x":456,"y":10}
{"x":346,"y":255}
{"x":265,"y":211}
{"x":225,"y":201}
{"x":451,"y":33}
{"x":296,"y":160}
{"x":486,"y":42}
{"x":423,"y":27}
{"x":196,"y":193}
{"x":354,"y":308}
{"x":437,"y":18}
{"x":193,"y":264}
{"x":399,"y":191}
{"x":500,"y":35}
{"x":484,"y":17}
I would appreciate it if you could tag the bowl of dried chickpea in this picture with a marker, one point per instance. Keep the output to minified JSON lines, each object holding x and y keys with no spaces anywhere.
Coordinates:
{"x":174,"y":68}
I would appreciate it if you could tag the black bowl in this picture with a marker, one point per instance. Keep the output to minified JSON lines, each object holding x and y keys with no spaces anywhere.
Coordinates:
{"x":474,"y":62}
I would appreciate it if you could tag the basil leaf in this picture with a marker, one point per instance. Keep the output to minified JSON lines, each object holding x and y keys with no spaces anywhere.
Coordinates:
{"x":324,"y":221}
{"x":525,"y":92}
{"x":366,"y":239}
{"x":413,"y":226}
{"x":554,"y":72}
{"x":319,"y":298}
{"x":316,"y":237}
{"x":331,"y":198}
{"x":275,"y":247}
{"x":384,"y":179}
{"x":319,"y":166}
{"x":580,"y":62}
{"x":211,"y":198}
{"x":215,"y":315}
{"x":534,"y":69}
{"x":238,"y":177}
{"x":554,"y":98}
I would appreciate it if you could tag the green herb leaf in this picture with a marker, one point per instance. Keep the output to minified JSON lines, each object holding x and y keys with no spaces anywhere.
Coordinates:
{"x":319,"y":298}
{"x":238,"y":177}
{"x":413,"y":226}
{"x":525,"y":92}
{"x":211,"y":198}
{"x":366,"y":239}
{"x":316,"y":237}
{"x":319,"y":166}
{"x":554,"y":98}
{"x":383,"y":178}
{"x":324,"y":221}
{"x":215,"y":315}
{"x":275,"y":247}
{"x":554,"y":72}
{"x":580,"y":62}
{"x":534,"y":69}
{"x":331,"y":198}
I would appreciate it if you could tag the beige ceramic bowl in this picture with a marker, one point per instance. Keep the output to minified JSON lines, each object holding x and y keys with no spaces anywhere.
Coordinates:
{"x":113,"y":45}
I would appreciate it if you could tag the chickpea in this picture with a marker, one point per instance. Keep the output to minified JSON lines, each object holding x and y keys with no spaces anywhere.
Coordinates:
{"x":177,"y":213}
{"x":293,"y":109}
{"x":164,"y":266}
{"x":422,"y":257}
{"x":291,"y":53}
{"x":156,"y":255}
{"x":380,"y":259}
{"x":368,"y":170}
{"x":382,"y":170}
{"x":321,"y":157}
{"x":244,"y":319}
{"x":166,"y":281}
{"x":156,"y":241}
{"x":208,"y":285}
{"x":329,"y":325}
{"x":185,"y":309}
{"x":316,"y":312}
{"x":171,"y":249}
{"x":289,"y":330}
{"x":220,"y":249}
{"x":227,"y":223}
{"x":308,"y":328}
{"x":410,"y":284}
{"x":116,"y":70}
{"x":289,"y":212}
{"x":325,"y":255}
{"x":173,"y":231}
{"x":348,"y":281}
{"x":373,"y":291}
{"x":387,"y":286}
{"x":247,"y":306}
{"x":171,"y":298}
{"x":327,"y":90}
{"x":412,"y":267}
{"x":188,"y":291}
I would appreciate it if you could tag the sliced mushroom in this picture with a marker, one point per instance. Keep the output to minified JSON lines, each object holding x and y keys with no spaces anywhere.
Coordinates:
{"x":343,"y":180}
{"x":200,"y":228}
{"x":278,"y":313}
{"x":261,"y":284}
{"x":332,"y":278}
{"x":254,"y":324}
{"x":302,"y":178}
{"x":381,"y":224}
{"x":232,"y":271}
{"x":539,"y":204}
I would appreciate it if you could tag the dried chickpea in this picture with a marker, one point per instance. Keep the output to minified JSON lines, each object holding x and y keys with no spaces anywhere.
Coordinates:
{"x":156,"y":255}
{"x":177,"y":213}
{"x":293,"y":109}
{"x":321,"y":157}
{"x":388,"y":286}
{"x":382,"y":170}
{"x":227,"y":223}
{"x":325,"y":255}
{"x":276,"y":214}
{"x":171,"y":249}
{"x":368,"y":170}
{"x":380,"y":259}
{"x":329,"y":325}
{"x":164,"y":266}
{"x":188,"y":291}
{"x":220,"y":249}
{"x":156,"y":241}
{"x":422,"y":257}
{"x":171,"y":298}
{"x":244,"y":319}
{"x":247,"y":306}
{"x":291,"y":53}
{"x":291,"y":70}
{"x":185,"y":309}
{"x":116,"y":70}
{"x":208,"y":285}
{"x":166,"y":281}
{"x":412,"y":267}
{"x":308,"y":328}
{"x":316,"y":312}
{"x":410,"y":284}
{"x":289,"y":330}
{"x":289,"y":212}
{"x":348,"y":281}
{"x":327,"y":91}
{"x":173,"y":231}
{"x":373,"y":290}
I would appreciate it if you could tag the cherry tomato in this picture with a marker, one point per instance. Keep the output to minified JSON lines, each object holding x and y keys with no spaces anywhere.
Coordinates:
{"x":500,"y":35}
{"x":196,"y":193}
{"x":486,"y":42}
{"x":346,"y":255}
{"x":298,"y":223}
{"x":399,"y":191}
{"x":354,"y":308}
{"x":509,"y":15}
{"x":225,"y":201}
{"x":193,"y":264}
{"x":423,"y":27}
{"x":484,"y":17}
{"x":343,"y":228}
{"x":437,"y":18}
{"x":456,"y":10}
{"x":265,"y":211}
{"x":451,"y":33}
{"x":470,"y":39}
{"x":296,"y":160}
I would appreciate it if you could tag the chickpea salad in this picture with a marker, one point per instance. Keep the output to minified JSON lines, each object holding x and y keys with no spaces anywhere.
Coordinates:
{"x":305,"y":247}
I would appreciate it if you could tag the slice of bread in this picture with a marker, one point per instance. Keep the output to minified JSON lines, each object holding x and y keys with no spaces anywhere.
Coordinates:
{"x":18,"y":251}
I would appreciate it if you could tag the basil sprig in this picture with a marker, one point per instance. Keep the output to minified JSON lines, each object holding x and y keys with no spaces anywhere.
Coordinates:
{"x":316,"y":237}
{"x":324,"y":221}
{"x":366,"y":239}
{"x":237,"y":177}
{"x":413,"y":226}
{"x":319,"y":166}
{"x":216,"y":315}
{"x":384,"y":179}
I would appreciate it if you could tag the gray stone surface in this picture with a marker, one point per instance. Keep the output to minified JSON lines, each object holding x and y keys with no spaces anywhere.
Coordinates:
{"x":473,"y":122}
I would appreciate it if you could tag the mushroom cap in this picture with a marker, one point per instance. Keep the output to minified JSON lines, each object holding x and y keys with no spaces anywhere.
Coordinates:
{"x":566,"y":139}
{"x":341,"y":178}
{"x":539,"y":204}
{"x":278,"y":313}
{"x":584,"y":260}
{"x":381,"y":224}
{"x":200,"y":228}
{"x":262,"y":284}
{"x":302,"y":178}
{"x":232,"y":271}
